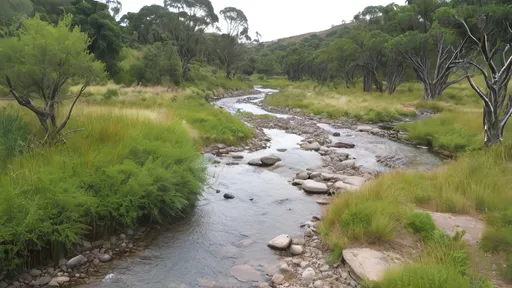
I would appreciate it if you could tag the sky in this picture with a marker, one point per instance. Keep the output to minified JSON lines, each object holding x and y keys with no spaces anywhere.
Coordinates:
{"x":275,"y":19}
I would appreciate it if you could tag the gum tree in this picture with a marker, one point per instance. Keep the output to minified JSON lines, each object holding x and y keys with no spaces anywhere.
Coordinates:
{"x":39,"y":62}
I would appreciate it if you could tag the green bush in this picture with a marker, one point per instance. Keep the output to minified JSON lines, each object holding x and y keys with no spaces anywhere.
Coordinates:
{"x":14,"y":135}
{"x":421,"y":223}
{"x":111,"y":94}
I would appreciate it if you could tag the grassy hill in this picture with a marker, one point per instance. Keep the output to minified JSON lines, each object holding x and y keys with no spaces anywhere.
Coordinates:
{"x":323,"y":33}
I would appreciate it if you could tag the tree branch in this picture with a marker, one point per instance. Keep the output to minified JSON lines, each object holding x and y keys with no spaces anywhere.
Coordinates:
{"x":25,"y":102}
{"x":65,"y":121}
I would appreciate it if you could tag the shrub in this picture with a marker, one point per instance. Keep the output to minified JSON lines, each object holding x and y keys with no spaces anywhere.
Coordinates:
{"x":110,"y":94}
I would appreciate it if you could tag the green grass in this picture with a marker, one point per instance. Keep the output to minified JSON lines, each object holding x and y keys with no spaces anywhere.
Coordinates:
{"x":118,"y":172}
{"x":342,"y":103}
{"x":134,"y":159}
{"x":14,"y":134}
{"x":479,"y":182}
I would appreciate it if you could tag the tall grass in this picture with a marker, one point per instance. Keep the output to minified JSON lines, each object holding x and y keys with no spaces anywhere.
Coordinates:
{"x":479,"y":182}
{"x":118,"y":172}
{"x":342,"y":103}
{"x":14,"y":134}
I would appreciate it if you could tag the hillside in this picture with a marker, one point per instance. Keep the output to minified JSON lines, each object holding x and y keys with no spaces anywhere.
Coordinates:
{"x":323,"y":33}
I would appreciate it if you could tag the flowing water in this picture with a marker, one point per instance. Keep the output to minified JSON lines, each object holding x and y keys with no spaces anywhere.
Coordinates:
{"x":200,"y":250}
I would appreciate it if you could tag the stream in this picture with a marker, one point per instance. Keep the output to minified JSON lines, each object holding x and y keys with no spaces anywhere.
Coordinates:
{"x":219,"y":234}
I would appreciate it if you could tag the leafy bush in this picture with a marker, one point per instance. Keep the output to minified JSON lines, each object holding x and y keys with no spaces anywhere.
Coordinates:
{"x":110,"y":94}
{"x":14,"y":135}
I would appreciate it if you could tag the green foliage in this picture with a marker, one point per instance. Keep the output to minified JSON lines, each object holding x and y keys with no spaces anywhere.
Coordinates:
{"x":453,"y":131}
{"x":10,"y":13}
{"x":110,"y":94}
{"x":432,"y":106}
{"x":118,"y":172}
{"x":42,"y":59}
{"x":94,"y":19}
{"x":160,"y":65}
{"x":424,"y":276}
{"x":14,"y":135}
{"x":421,"y":223}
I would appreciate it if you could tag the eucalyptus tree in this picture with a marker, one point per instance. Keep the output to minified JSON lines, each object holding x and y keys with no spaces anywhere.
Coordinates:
{"x":11,"y":12}
{"x":489,"y":30}
{"x":227,"y":45}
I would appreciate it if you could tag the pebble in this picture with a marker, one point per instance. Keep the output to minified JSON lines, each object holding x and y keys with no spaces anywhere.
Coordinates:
{"x":229,"y":196}
{"x":304,"y":264}
{"x":284,"y":268}
{"x":308,"y":274}
{"x":122,"y":236}
{"x":296,"y":249}
{"x":298,"y":241}
{"x":278,"y":279}
{"x":324,"y":268}
{"x":104,"y":257}
{"x":319,"y":284}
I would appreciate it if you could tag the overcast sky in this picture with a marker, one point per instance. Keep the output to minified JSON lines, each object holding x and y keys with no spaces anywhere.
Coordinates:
{"x":276,"y":19}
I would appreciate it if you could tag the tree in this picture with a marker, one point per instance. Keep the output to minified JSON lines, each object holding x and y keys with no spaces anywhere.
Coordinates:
{"x":10,"y":12}
{"x":495,"y":48}
{"x":94,"y":19}
{"x":160,"y":65}
{"x":40,"y":61}
{"x":433,"y":56}
{"x":227,"y":46}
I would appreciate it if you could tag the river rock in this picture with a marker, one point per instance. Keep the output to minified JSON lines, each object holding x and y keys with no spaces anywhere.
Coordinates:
{"x":342,"y":145}
{"x":341,"y":186}
{"x":296,"y":250}
{"x":308,"y":274}
{"x":323,"y":201}
{"x":336,"y":134}
{"x":297,"y":182}
{"x":245,"y":273}
{"x":353,"y":180}
{"x":281,"y":242}
{"x":298,"y":241}
{"x":277,"y":279}
{"x":237,"y":156}
{"x":302,"y":176}
{"x":104,"y":258}
{"x":35,"y":272}
{"x":255,"y":162}
{"x":346,"y":164}
{"x":369,"y":264}
{"x":58,"y":281}
{"x":315,"y":146}
{"x":364,"y":128}
{"x":451,"y":223}
{"x":76,"y":261}
{"x":43,"y":281}
{"x":25,"y":277}
{"x":312,"y":186}
{"x":318,"y":284}
{"x":270,"y":160}
{"x":281,"y":149}
{"x":229,"y":196}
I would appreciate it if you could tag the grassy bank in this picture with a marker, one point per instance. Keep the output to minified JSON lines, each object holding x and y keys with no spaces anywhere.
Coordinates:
{"x":476,"y":184}
{"x":134,"y":157}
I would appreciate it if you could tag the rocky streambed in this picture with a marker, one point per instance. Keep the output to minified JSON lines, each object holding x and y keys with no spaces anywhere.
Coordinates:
{"x":277,"y":184}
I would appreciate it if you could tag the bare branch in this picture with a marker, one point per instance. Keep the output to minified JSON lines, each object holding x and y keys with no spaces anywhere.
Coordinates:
{"x":469,"y":31}
{"x":487,"y":103}
{"x":65,"y":122}
{"x":25,"y":102}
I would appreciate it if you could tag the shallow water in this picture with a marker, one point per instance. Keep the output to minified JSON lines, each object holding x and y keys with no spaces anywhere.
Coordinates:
{"x":200,"y":250}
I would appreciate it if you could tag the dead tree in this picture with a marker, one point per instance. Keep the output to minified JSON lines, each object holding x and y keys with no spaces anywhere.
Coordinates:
{"x":432,"y":69}
{"x":496,"y":99}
